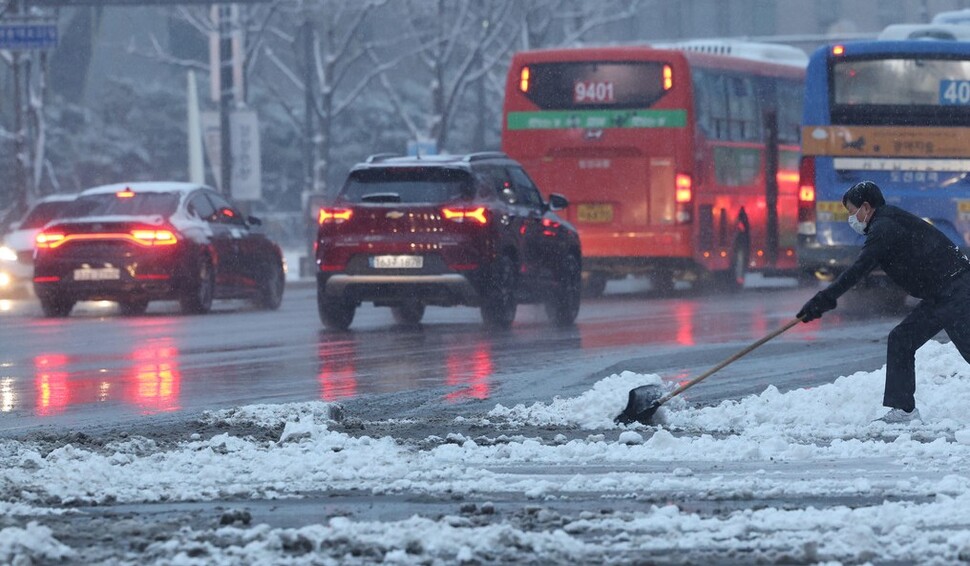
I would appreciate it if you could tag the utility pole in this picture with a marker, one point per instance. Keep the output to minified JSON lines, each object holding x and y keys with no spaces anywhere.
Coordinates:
{"x":308,"y":105}
{"x":225,"y":98}
{"x":19,"y":129}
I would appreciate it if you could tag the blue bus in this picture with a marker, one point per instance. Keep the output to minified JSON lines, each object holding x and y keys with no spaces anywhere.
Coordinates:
{"x":894,"y":111}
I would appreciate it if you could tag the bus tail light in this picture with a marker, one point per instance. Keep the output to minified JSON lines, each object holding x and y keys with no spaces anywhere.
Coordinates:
{"x":524,"y":75}
{"x":668,"y":77}
{"x":334,"y":215}
{"x":684,"y":197}
{"x":472,"y":214}
{"x":806,"y":197}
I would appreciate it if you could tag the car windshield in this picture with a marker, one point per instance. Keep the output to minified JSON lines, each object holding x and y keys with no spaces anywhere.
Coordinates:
{"x":43,"y":213}
{"x":124,"y":204}
{"x":407,"y":185}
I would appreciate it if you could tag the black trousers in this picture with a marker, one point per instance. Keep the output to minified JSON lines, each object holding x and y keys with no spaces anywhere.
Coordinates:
{"x":949,"y":311}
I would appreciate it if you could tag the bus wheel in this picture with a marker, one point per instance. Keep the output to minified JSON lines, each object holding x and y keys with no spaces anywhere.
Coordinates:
{"x":662,"y":282}
{"x":594,"y":284}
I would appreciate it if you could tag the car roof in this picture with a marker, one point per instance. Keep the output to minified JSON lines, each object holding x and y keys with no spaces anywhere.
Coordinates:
{"x":145,"y":187}
{"x":459,"y":161}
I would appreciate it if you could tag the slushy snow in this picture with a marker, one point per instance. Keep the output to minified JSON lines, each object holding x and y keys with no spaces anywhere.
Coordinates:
{"x":876,"y":492}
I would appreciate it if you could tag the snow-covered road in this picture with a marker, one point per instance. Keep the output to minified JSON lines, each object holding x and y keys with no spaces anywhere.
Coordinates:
{"x":797,"y":477}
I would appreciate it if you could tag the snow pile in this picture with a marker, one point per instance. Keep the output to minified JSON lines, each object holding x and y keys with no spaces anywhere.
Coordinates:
{"x":592,"y":410}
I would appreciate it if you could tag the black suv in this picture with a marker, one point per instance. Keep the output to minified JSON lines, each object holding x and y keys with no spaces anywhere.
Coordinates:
{"x":406,"y":232}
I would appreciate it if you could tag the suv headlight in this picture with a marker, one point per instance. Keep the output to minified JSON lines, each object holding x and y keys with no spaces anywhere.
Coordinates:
{"x":7,"y":254}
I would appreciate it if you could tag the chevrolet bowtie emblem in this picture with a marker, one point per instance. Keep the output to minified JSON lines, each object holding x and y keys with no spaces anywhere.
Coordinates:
{"x":395,"y":214}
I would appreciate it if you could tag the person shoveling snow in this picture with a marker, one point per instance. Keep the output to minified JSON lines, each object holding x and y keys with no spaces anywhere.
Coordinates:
{"x":921,"y":260}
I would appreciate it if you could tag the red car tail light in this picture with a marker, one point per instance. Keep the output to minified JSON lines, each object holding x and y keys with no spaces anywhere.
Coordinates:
{"x":154,"y":237}
{"x":147,"y":237}
{"x":49,"y":239}
{"x":334,"y":215}
{"x":458,"y":214}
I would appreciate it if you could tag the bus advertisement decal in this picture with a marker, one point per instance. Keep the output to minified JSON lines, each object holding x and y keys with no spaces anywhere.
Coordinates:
{"x":831,"y":211}
{"x":597,"y":119}
{"x":886,"y":141}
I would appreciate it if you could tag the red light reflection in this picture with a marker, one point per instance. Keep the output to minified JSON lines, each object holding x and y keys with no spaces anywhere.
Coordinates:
{"x":51,"y":383}
{"x":152,"y":383}
{"x":155,"y":380}
{"x":338,"y":371}
{"x":471,"y":373}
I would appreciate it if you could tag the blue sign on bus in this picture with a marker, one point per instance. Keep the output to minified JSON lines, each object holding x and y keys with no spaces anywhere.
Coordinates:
{"x":28,"y":36}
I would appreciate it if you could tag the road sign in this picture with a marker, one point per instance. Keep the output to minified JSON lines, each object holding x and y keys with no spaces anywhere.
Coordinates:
{"x":28,"y":36}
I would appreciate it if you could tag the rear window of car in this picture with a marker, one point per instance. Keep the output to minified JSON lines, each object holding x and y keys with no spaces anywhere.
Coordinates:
{"x":43,"y":213}
{"x":408,"y":185}
{"x":137,"y":204}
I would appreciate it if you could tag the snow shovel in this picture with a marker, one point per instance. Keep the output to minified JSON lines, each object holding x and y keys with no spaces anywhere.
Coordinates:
{"x":646,"y":399}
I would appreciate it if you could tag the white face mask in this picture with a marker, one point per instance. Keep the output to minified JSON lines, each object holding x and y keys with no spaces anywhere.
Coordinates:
{"x":856,"y":224}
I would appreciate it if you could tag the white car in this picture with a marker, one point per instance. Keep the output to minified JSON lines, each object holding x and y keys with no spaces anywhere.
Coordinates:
{"x":17,"y":245}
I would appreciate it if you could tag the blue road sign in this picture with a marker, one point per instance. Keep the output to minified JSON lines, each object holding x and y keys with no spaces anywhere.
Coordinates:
{"x":28,"y":36}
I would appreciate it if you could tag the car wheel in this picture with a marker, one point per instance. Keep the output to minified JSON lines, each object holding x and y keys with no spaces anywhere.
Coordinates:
{"x":336,"y":313}
{"x":133,"y":307}
{"x":56,"y":306}
{"x":498,"y":300}
{"x":409,"y":313}
{"x":197,"y":297}
{"x":563,"y":306}
{"x":270,"y":293}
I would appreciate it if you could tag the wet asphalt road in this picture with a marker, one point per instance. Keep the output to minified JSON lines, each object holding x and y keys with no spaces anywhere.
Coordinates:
{"x":97,"y":367}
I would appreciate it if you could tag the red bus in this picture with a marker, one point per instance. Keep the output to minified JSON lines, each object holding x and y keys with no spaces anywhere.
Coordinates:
{"x":664,"y":155}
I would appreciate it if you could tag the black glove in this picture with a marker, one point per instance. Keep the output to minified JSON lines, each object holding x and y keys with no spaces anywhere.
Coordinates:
{"x":817,"y":305}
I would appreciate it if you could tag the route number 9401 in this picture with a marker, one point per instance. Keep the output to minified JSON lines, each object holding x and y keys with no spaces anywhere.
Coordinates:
{"x":954,"y":92}
{"x":593,"y":92}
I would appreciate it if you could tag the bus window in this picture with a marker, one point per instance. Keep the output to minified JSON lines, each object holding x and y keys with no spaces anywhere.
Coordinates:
{"x":788,"y":95}
{"x":743,"y":110}
{"x":570,"y":86}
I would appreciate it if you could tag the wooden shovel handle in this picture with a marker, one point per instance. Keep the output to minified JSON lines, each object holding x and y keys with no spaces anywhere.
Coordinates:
{"x":721,"y":365}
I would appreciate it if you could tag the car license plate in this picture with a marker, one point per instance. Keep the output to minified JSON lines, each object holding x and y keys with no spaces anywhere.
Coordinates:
{"x":97,"y":274}
{"x":397,"y":262}
{"x":600,"y":212}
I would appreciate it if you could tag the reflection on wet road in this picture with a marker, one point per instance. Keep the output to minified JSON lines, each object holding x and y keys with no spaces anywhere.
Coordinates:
{"x":98,"y":365}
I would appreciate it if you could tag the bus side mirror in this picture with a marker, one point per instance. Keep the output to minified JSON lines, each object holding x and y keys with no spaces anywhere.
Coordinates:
{"x":557,"y":202}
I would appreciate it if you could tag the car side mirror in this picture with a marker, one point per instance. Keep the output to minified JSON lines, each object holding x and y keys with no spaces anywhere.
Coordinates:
{"x":557,"y":202}
{"x":254,"y":221}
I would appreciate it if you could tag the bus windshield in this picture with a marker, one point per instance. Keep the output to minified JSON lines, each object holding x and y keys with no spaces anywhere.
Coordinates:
{"x":901,"y":91}
{"x":595,"y":84}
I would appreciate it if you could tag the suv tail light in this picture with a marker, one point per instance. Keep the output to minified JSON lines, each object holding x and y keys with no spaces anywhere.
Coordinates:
{"x":684,"y":198}
{"x":462,"y":214}
{"x":806,"y":197}
{"x":49,"y":239}
{"x":334,"y":215}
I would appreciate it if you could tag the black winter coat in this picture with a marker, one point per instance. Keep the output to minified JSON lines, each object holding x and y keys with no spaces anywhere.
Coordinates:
{"x":913,"y":253}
